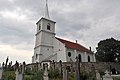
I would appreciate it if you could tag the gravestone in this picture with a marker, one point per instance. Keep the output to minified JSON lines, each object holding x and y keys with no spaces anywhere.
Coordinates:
{"x":1,"y":71}
{"x":60,"y":68}
{"x":77,"y":68}
{"x":65,"y":73}
{"x":16,"y":65}
{"x":20,"y":71}
{"x":53,"y":64}
{"x":45,"y":76}
{"x":107,"y":76}
{"x":97,"y":75}
{"x":19,"y":76}
{"x":71,"y":65}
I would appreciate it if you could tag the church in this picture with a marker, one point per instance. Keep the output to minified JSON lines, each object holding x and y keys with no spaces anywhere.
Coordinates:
{"x":49,"y":47}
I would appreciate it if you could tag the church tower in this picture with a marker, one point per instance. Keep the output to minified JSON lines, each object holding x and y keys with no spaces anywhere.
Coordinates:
{"x":45,"y":34}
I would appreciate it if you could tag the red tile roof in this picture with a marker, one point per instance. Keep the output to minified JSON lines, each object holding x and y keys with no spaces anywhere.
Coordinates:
{"x":73,"y":45}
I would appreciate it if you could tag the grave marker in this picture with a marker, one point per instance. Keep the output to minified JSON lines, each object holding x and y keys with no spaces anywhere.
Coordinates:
{"x":1,"y":71}
{"x":65,"y":73}
{"x":107,"y":76}
{"x":45,"y":76}
{"x":97,"y":75}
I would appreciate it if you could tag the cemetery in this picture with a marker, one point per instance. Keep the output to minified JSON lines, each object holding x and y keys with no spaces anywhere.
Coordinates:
{"x":50,"y":70}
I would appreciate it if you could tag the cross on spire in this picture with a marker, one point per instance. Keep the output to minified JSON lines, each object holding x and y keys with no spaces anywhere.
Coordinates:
{"x":47,"y":11}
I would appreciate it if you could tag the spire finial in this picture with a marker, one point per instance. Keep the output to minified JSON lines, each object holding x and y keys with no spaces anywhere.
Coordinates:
{"x":47,"y":11}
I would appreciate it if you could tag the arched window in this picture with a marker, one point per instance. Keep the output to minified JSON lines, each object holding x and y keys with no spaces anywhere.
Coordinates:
{"x":88,"y":58}
{"x":48,"y":26}
{"x":79,"y":57}
{"x":39,"y":26}
{"x":69,"y":54}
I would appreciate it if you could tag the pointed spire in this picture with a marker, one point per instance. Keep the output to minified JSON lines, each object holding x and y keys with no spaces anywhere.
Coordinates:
{"x":47,"y":11}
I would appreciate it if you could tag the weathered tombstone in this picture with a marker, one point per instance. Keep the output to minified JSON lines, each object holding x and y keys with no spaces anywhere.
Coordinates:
{"x":71,"y":65}
{"x":16,"y":65}
{"x":97,"y":75}
{"x":45,"y":76}
{"x":1,"y":71}
{"x":65,"y":73}
{"x":53,"y":64}
{"x":19,"y":76}
{"x":77,"y":69}
{"x":20,"y":68}
{"x":23,"y":70}
{"x":3,"y":64}
{"x":60,"y":68}
{"x":107,"y":76}
{"x":20,"y":71}
{"x":23,"y":67}
{"x":6,"y":62}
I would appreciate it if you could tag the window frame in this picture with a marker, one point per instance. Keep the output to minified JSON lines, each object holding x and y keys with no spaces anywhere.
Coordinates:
{"x":39,"y":27}
{"x":48,"y":26}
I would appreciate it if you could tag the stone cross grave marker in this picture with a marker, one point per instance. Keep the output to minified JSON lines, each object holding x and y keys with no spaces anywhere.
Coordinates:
{"x":107,"y":76}
{"x":45,"y":76}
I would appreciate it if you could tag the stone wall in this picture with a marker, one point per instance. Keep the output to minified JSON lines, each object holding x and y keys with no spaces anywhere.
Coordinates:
{"x":86,"y":66}
{"x":100,"y":66}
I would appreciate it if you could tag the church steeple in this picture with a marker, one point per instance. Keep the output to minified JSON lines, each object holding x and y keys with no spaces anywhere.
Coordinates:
{"x":46,"y":11}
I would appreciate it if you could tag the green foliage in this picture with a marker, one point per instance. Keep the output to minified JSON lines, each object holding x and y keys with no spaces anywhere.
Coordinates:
{"x":71,"y":76}
{"x":8,"y":75}
{"x":28,"y":77}
{"x":116,"y":78}
{"x":108,"y":50}
{"x":38,"y":75}
{"x":84,"y":75}
{"x":53,"y":73}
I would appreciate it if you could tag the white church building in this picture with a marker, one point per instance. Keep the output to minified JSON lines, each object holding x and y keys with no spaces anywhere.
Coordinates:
{"x":49,"y":47}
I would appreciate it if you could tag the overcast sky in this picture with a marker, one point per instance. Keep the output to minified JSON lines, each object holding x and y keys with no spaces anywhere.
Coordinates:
{"x":87,"y":21}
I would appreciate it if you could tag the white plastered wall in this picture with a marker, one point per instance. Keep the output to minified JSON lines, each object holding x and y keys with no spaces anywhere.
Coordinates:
{"x":59,"y":49}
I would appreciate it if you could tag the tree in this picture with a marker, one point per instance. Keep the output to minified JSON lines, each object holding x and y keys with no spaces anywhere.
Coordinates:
{"x":108,"y":50}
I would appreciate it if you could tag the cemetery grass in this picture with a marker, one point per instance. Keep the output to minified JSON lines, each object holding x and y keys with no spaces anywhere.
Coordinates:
{"x":116,"y":78}
{"x":8,"y":75}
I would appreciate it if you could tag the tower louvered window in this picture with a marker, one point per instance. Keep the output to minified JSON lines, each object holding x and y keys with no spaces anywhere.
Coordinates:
{"x":48,"y":26}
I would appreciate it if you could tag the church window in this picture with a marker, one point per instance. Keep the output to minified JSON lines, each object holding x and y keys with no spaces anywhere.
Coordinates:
{"x":88,"y":58}
{"x":48,"y":26}
{"x":79,"y":57}
{"x":69,"y":54}
{"x":36,"y":56}
{"x":39,"y":26}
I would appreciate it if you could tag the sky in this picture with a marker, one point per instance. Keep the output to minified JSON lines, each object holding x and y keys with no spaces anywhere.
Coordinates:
{"x":87,"y":21}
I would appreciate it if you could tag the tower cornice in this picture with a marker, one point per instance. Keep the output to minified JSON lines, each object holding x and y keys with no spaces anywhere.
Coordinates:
{"x":45,"y":19}
{"x":44,"y":31}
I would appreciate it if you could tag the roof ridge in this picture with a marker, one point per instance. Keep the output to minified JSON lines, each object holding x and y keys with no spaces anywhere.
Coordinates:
{"x":74,"y":45}
{"x":65,"y":40}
